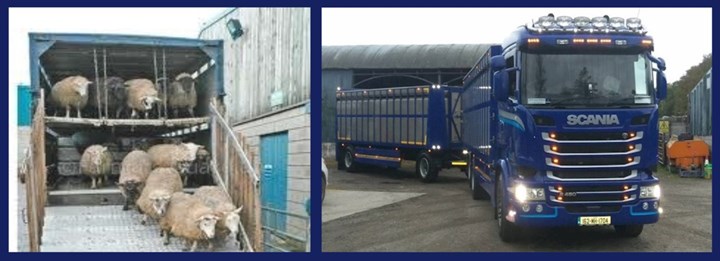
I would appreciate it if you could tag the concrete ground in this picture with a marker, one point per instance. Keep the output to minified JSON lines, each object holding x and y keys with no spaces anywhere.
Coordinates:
{"x":445,"y":218}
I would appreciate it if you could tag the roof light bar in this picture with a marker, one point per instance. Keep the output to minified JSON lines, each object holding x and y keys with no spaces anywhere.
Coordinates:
{"x":600,"y":24}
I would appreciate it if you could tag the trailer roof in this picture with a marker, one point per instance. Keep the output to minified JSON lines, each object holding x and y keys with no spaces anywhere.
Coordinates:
{"x":402,"y":56}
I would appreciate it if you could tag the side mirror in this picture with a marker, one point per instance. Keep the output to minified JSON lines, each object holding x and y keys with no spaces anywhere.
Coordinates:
{"x":497,"y":62}
{"x":500,"y":85}
{"x":661,"y":86}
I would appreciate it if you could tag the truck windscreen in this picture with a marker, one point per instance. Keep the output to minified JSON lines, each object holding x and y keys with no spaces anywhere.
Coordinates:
{"x":590,"y":80}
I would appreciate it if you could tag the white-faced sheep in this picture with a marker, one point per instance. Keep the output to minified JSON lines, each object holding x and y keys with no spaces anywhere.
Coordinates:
{"x":219,"y":201}
{"x":180,"y":156}
{"x":71,"y":92}
{"x":182,"y":94}
{"x":188,"y":217}
{"x":155,"y":196}
{"x":96,"y":162}
{"x":135,"y":169}
{"x":141,"y":96}
{"x":116,"y":96}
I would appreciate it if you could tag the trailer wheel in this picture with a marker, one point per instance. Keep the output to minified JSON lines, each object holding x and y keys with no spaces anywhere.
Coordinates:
{"x":507,"y":230}
{"x":629,"y":230}
{"x":426,"y":168}
{"x":349,"y":160}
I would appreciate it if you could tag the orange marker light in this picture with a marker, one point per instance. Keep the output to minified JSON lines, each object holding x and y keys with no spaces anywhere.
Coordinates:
{"x":626,"y":187}
{"x":556,"y":161}
{"x":605,"y":41}
{"x":631,"y":147}
{"x":559,"y":198}
{"x":559,"y":188}
{"x":647,"y":42}
{"x":630,"y":159}
{"x":533,"y":40}
{"x":552,"y":135}
{"x":554,"y":148}
{"x":578,"y":40}
{"x":626,"y":197}
{"x":592,"y":40}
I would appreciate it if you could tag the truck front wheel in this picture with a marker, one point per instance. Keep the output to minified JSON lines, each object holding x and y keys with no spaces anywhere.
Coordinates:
{"x":629,"y":230}
{"x":426,"y":168}
{"x":507,"y":230}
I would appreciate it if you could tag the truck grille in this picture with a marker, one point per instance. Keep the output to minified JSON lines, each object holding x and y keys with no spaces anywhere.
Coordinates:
{"x":592,"y":194}
{"x":578,"y":175}
{"x":579,"y":209}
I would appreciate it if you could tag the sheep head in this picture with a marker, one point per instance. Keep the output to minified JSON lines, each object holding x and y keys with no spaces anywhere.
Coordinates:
{"x":80,"y":85}
{"x":160,"y":202}
{"x":206,"y":223}
{"x":131,"y":188}
{"x":192,"y":150}
{"x":148,"y":101}
{"x":232,"y":221}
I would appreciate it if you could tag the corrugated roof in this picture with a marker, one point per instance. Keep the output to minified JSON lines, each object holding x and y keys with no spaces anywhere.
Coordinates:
{"x":402,"y":56}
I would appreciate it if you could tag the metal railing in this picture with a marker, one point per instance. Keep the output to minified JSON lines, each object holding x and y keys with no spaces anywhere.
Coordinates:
{"x":234,"y":171}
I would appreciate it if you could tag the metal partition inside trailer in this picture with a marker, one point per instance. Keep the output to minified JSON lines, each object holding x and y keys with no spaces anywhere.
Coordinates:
{"x":480,"y":107}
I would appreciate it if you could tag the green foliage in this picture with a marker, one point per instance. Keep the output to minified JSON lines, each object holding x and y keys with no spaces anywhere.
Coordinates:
{"x":676,"y":102}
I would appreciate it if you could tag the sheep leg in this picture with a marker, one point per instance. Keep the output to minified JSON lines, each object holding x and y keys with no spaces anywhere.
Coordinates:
{"x":67,"y":112}
{"x":187,"y":245}
{"x":144,"y":219}
{"x":126,"y":207}
{"x":210,"y":245}
{"x":192,"y":114}
{"x":167,"y":238}
{"x":117,"y":113}
{"x":176,"y":112}
{"x":79,"y":114}
{"x":194,"y":246}
{"x":147,"y":115}
{"x":185,"y":180}
{"x":134,"y":114}
{"x":92,"y":186}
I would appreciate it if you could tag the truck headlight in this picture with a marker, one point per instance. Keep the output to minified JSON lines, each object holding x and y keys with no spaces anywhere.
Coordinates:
{"x":523,"y":193}
{"x":650,"y":191}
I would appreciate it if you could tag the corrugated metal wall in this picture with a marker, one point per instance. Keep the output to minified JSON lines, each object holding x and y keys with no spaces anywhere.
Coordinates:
{"x":271,"y":58}
{"x":331,"y":80}
{"x":700,"y":103}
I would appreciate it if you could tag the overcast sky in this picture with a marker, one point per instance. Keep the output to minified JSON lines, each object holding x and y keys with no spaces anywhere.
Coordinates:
{"x":682,"y":35}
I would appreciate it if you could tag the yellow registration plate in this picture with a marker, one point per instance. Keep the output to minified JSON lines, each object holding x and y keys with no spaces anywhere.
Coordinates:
{"x":594,"y":221}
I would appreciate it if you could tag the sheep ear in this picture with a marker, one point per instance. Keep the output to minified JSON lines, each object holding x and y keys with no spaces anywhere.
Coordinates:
{"x":237,"y":211}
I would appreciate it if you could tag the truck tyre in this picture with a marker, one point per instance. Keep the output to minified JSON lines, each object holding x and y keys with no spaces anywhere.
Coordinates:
{"x":507,"y":230}
{"x":349,"y":160}
{"x":478,"y":193}
{"x":629,"y":230}
{"x":426,"y":168}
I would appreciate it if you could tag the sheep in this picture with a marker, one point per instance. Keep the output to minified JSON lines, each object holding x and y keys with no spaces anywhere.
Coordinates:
{"x":219,"y":201}
{"x":155,"y":196}
{"x":96,"y":162}
{"x":71,"y":92}
{"x":182,"y":94}
{"x":180,"y":156}
{"x":116,"y":95}
{"x":188,"y":217}
{"x":141,"y":96}
{"x":135,"y":168}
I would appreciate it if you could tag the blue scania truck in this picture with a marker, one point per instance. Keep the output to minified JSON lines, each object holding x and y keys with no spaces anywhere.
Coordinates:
{"x":560,"y":124}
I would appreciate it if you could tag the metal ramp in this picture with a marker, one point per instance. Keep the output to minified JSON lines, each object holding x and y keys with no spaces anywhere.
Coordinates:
{"x":106,"y":229}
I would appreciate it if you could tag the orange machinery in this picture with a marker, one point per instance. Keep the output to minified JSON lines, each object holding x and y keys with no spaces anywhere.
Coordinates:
{"x":687,"y":156}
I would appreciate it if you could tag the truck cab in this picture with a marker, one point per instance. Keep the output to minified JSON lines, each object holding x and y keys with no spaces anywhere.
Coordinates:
{"x":576,"y":137}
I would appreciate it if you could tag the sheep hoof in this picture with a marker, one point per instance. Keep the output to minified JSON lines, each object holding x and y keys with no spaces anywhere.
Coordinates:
{"x":125,"y":208}
{"x":143,"y":222}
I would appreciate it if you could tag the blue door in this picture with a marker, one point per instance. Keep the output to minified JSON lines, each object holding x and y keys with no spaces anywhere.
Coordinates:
{"x":24,"y":105}
{"x":273,"y":156}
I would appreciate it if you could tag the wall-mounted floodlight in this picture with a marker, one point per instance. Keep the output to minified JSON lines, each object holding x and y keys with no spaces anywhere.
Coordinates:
{"x":234,"y":28}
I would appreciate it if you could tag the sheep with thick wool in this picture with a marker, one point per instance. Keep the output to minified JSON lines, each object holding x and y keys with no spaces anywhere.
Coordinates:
{"x":182,"y":94}
{"x":71,"y":92}
{"x":218,"y":200}
{"x":141,"y":96}
{"x":188,"y":218}
{"x":178,"y":156}
{"x":134,"y":171}
{"x":96,"y":162}
{"x":158,"y":190}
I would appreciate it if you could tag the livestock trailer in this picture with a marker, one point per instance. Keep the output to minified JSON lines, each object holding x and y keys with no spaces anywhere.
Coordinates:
{"x":384,"y":126}
{"x":58,"y":142}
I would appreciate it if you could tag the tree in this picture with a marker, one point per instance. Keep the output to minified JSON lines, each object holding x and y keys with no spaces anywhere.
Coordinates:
{"x":676,"y":102}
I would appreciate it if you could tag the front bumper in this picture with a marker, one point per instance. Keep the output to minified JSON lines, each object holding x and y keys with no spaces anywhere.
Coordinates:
{"x":557,"y":216}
